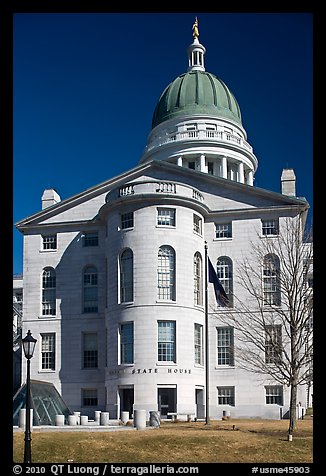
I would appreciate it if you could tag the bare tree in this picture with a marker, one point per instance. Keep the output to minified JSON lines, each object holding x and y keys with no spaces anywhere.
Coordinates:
{"x":273,"y":316}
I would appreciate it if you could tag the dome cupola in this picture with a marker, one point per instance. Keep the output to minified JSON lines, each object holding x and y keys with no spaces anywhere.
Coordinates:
{"x":197,"y":123}
{"x":197,"y":91}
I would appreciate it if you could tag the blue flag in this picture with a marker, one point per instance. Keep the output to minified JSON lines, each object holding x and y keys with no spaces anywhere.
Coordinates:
{"x":221,"y":296}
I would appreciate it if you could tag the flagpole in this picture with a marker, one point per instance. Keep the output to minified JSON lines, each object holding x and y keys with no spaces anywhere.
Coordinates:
{"x":206,"y":337}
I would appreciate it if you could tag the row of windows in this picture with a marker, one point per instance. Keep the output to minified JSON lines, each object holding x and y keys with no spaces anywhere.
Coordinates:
{"x":273,"y":395}
{"x":166,"y":345}
{"x":225,"y":396}
{"x":166,"y":280}
{"x":166,"y":217}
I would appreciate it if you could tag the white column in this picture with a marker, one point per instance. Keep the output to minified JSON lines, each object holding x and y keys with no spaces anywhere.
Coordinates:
{"x":203,"y":167}
{"x":224,"y":168}
{"x":241,"y":173}
{"x":250,"y":179}
{"x":180,"y":161}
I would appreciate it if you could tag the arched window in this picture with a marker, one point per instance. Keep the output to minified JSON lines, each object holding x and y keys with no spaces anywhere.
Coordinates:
{"x":198,"y":280}
{"x":90,"y":299}
{"x":126,"y":276}
{"x":48,"y":292}
{"x":166,"y":273}
{"x":271,"y":280}
{"x":224,"y":271}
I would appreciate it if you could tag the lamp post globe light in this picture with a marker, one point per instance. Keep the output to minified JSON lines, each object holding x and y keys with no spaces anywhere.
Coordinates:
{"x":28,"y":345}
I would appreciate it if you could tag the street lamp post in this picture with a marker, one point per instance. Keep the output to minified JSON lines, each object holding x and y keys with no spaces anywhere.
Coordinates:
{"x":28,"y":345}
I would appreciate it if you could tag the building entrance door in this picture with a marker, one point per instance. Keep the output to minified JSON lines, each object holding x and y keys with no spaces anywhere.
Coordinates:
{"x":200,"y":405}
{"x":127,"y":400}
{"x":167,"y":401}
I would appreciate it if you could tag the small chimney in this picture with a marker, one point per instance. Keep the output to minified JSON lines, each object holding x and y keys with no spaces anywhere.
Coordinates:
{"x":50,"y":197}
{"x":288,"y":182}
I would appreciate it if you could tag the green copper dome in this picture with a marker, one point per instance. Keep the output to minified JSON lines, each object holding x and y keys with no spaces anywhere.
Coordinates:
{"x":196,"y":92}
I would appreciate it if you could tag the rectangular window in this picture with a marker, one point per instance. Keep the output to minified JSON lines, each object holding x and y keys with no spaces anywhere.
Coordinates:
{"x":90,"y":239}
{"x":127,"y":220}
{"x":274,"y":394}
{"x":198,"y":224}
{"x":225,"y":354}
{"x":127,"y":343}
{"x":269,"y":227}
{"x":49,"y":242}
{"x":90,"y":351}
{"x":223,"y":230}
{"x":198,"y":344}
{"x":273,"y":344}
{"x":89,"y":397}
{"x":192,"y":165}
{"x":49,"y":292}
{"x":90,"y":303}
{"x":48,"y":351}
{"x":225,"y":395}
{"x":166,"y":341}
{"x":166,"y":216}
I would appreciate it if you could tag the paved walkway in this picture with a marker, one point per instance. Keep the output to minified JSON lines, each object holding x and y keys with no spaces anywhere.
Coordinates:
{"x":92,"y":426}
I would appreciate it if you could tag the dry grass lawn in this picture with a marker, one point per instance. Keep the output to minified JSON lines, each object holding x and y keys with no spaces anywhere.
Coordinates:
{"x":251,"y":441}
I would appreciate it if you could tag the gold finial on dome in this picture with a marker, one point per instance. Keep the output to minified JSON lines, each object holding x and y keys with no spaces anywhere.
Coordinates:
{"x":195,"y":32}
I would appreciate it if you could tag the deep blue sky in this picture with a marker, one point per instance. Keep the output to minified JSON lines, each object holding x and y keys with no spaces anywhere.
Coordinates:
{"x":86,"y":85}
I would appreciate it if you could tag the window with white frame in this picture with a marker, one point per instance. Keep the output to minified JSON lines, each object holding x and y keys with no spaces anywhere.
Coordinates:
{"x":274,"y":394}
{"x":166,"y":217}
{"x":126,"y":276}
{"x":166,"y":273}
{"x":223,"y":230}
{"x":90,"y":239}
{"x":49,"y":242}
{"x":271,"y":280}
{"x":269,"y":227}
{"x":127,"y":343}
{"x":48,"y":292}
{"x":224,"y":271}
{"x":198,"y":279}
{"x":90,"y":290}
{"x":166,"y":341}
{"x":225,"y":396}
{"x":273,"y":344}
{"x":48,"y":351}
{"x":199,"y":344}
{"x":225,"y":346}
{"x":89,"y":397}
{"x":127,"y":220}
{"x":90,"y":350}
{"x":197,"y":224}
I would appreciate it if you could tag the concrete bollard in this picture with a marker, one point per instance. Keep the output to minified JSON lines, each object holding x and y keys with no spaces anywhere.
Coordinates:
{"x":155,"y":419}
{"x":124,"y":417}
{"x":226,"y":415}
{"x":97,"y":416}
{"x":83,"y":419}
{"x":77,"y":415}
{"x":72,"y":420}
{"x":22,"y":418}
{"x":59,"y":420}
{"x":140,"y":419}
{"x":104,"y":418}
